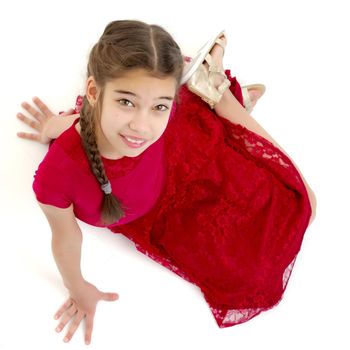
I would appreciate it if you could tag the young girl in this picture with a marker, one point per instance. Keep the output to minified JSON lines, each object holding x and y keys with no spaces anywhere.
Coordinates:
{"x":203,"y":190}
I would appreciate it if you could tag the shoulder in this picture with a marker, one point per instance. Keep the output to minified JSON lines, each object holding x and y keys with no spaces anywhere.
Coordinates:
{"x":66,"y":144}
{"x":66,"y":152}
{"x":53,"y":182}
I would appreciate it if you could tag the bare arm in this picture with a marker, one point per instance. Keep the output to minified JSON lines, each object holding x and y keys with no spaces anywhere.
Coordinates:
{"x":66,"y":243}
{"x":66,"y":249}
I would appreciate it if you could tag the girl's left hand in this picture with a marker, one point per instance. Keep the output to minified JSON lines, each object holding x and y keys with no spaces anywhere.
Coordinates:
{"x":43,"y":119}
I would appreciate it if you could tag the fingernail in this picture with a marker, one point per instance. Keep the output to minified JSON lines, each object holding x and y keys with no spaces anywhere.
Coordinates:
{"x":65,"y":339}
{"x":58,"y":329}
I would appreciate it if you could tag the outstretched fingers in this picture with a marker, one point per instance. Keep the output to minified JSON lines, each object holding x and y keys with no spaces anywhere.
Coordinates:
{"x":63,"y":308}
{"x":32,"y":111}
{"x":109,"y":296}
{"x":89,"y":322}
{"x":68,"y":315}
{"x":29,"y":136}
{"x":30,"y":122}
{"x":43,"y":107}
{"x":74,"y":310}
{"x":74,"y":325}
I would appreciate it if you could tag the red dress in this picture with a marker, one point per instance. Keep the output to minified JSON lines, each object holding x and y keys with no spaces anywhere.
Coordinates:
{"x":64,"y":177}
{"x":231,"y":216}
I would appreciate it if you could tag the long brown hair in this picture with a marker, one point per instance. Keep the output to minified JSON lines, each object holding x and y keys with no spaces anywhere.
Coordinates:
{"x":123,"y":46}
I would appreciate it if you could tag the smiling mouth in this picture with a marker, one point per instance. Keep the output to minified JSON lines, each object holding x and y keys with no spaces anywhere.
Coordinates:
{"x":137,"y":141}
{"x":133,"y":144}
{"x":134,"y":138}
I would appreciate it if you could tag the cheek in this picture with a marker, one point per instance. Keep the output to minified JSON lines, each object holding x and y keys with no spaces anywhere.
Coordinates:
{"x":161,"y":127}
{"x":112,"y":122}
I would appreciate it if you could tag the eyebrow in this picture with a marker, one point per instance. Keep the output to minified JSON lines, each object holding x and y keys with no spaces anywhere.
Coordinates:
{"x":133,"y":94}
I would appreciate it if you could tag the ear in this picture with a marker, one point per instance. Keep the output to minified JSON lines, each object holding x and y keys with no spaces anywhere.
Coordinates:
{"x":92,"y":90}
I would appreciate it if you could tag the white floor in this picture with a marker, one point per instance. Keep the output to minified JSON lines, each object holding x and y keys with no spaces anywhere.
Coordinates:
{"x":299,"y":51}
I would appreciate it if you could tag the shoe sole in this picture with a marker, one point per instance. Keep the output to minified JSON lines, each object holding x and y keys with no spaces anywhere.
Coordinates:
{"x":196,"y":61}
{"x":260,"y":87}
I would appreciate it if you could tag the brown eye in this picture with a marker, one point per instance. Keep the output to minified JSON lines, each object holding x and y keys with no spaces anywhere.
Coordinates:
{"x":163,"y":108}
{"x":124,"y":102}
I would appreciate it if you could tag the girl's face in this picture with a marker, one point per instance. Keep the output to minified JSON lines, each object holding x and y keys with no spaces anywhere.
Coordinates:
{"x":135,"y":105}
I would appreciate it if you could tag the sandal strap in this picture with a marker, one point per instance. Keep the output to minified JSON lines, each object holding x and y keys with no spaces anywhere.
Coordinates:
{"x":212,"y":66}
{"x":246,"y":99}
{"x":226,"y":83}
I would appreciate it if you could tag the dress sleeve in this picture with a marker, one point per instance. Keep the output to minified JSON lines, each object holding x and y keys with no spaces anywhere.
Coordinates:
{"x":52,"y":186}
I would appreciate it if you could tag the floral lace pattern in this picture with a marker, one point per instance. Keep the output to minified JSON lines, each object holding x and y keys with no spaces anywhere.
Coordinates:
{"x":232,"y":216}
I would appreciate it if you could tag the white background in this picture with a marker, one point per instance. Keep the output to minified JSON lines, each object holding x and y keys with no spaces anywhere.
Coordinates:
{"x":299,"y":50}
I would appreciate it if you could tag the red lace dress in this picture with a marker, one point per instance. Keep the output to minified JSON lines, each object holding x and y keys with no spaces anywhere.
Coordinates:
{"x":232,"y":215}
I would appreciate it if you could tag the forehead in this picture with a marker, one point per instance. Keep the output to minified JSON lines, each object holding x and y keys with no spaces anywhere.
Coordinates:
{"x":141,"y":82}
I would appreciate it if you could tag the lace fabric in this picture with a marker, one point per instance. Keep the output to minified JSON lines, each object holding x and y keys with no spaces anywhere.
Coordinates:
{"x":232,"y":215}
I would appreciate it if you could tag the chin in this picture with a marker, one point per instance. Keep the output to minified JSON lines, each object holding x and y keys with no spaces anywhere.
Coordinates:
{"x":135,"y":152}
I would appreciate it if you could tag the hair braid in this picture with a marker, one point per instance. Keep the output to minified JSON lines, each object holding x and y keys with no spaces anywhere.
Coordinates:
{"x":111,"y":207}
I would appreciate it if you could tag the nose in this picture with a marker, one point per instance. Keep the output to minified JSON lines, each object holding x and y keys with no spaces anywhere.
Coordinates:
{"x":140,"y":123}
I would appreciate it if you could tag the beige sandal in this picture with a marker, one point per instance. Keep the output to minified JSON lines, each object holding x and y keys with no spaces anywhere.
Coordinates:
{"x":202,"y":80}
{"x":247,"y":101}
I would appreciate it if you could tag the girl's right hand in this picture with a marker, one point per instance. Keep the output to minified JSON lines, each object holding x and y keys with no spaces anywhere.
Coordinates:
{"x":44,"y":118}
{"x":81,"y":303}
